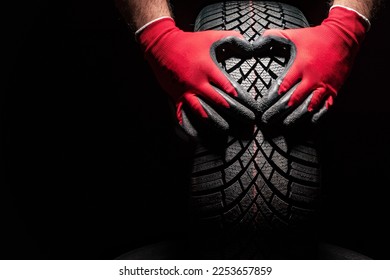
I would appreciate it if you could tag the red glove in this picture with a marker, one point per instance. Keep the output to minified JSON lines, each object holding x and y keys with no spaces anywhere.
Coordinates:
{"x":185,"y":65}
{"x":322,"y":57}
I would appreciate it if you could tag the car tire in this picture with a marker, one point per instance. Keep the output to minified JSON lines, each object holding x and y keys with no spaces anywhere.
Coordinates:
{"x":255,"y":197}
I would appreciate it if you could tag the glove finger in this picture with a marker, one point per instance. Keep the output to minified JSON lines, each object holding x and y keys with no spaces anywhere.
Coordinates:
{"x":208,"y":92}
{"x":303,"y":89}
{"x":271,"y":97}
{"x":317,"y":99}
{"x":279,"y":109}
{"x":317,"y":117}
{"x":202,"y":114}
{"x":236,"y":109}
{"x":224,"y":102}
{"x":329,"y":101}
{"x":291,"y":76}
{"x":299,"y":114}
{"x":187,"y":125}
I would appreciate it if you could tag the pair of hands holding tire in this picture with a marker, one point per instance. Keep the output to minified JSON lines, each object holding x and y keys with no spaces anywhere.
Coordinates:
{"x":186,"y":66}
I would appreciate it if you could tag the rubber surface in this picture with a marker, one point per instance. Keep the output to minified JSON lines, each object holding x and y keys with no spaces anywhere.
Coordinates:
{"x":256,"y":196}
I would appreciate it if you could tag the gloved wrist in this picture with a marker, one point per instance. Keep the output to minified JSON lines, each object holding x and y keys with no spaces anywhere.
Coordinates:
{"x":353,"y":24}
{"x":150,"y":23}
{"x":368,"y":23}
{"x":151,"y":32}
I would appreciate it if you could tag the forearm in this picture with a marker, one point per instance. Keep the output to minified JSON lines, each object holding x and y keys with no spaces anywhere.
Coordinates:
{"x":138,"y":13}
{"x":365,"y":7}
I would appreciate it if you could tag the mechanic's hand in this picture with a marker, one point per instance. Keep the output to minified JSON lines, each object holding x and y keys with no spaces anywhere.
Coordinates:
{"x":322,"y":57}
{"x":185,"y":65}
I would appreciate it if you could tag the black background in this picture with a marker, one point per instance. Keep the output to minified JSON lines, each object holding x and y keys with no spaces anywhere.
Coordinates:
{"x":91,"y":165}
